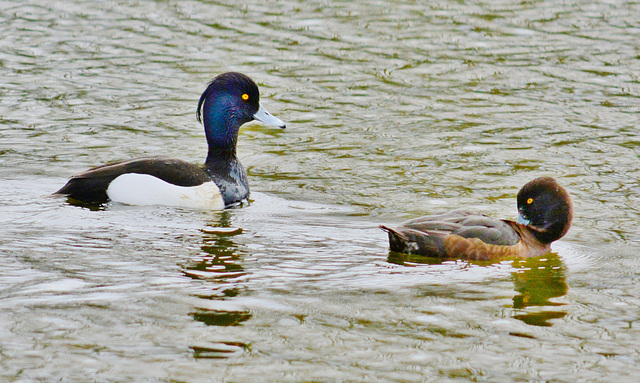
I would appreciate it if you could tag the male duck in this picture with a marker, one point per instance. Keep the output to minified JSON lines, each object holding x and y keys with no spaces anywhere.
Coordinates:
{"x":229,"y":101}
{"x":545,"y":212}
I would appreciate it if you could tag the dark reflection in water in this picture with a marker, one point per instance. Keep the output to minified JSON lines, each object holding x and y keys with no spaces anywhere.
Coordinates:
{"x":411,"y":259}
{"x":219,"y":350}
{"x":221,"y":318}
{"x":220,"y":268}
{"x":220,"y":262}
{"x":87,"y":205}
{"x":538,"y":280}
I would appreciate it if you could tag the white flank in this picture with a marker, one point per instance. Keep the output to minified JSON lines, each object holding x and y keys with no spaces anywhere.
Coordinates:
{"x":144,"y":189}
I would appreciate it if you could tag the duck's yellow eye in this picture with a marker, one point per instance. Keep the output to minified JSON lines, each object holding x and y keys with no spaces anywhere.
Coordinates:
{"x":529,"y":201}
{"x":245,"y":97}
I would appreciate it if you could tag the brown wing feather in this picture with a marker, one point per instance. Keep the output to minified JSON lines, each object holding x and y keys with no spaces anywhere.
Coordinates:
{"x":475,"y":249}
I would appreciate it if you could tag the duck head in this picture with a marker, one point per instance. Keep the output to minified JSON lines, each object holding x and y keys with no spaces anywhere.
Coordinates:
{"x":231,"y":100}
{"x":545,"y":207}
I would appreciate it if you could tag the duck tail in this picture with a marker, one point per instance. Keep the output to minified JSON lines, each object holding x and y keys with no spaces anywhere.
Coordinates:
{"x":397,"y":241}
{"x":392,"y":231}
{"x":410,"y":241}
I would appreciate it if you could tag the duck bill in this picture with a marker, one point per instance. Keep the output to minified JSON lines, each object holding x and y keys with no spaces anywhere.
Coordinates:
{"x":522,"y":220}
{"x":268,"y":118}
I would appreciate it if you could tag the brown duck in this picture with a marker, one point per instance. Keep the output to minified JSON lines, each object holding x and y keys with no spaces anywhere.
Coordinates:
{"x":545,"y":212}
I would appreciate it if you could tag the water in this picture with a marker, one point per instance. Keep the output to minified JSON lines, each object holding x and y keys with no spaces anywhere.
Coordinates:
{"x":393,"y":110}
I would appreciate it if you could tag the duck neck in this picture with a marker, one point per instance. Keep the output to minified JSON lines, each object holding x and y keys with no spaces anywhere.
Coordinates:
{"x":219,"y":153}
{"x":222,"y":134}
{"x":546,"y":236}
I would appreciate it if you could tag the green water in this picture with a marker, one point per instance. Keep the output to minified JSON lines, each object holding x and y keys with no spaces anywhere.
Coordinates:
{"x":393,"y":110}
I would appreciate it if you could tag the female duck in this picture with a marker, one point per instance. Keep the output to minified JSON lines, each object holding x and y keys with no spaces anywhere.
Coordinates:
{"x":229,"y":101}
{"x":545,"y":212}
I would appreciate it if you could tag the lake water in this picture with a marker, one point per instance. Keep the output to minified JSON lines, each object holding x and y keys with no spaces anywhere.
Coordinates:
{"x":394,"y":110}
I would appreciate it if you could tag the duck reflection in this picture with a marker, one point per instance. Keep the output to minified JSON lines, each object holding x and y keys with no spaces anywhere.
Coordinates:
{"x":221,"y":318}
{"x":219,"y":267}
{"x":403,"y":259}
{"x":538,"y":280}
{"x":219,"y":350}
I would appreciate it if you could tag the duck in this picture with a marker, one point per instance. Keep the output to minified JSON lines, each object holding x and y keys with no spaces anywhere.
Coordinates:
{"x":545,"y":213}
{"x":230,"y":100}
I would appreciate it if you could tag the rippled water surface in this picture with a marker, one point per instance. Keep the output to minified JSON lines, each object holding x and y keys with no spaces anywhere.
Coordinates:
{"x":394,"y":109}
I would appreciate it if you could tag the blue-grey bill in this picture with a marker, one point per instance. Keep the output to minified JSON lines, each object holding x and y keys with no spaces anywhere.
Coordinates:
{"x":521,"y":220}
{"x":263,"y":115}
